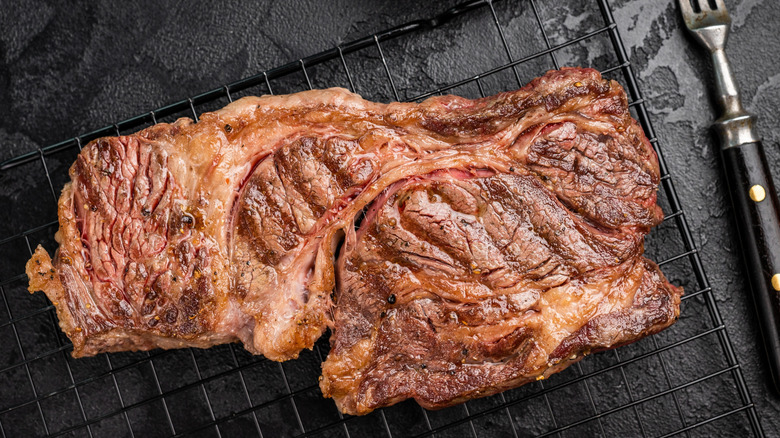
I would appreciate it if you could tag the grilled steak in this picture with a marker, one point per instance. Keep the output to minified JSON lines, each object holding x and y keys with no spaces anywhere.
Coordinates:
{"x":503,"y":237}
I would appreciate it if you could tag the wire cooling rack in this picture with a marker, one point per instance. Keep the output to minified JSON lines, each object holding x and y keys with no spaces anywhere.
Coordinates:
{"x":684,"y":381}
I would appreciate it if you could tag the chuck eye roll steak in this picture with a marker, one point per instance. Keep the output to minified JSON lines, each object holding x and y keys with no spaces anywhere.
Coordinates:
{"x":486,"y":243}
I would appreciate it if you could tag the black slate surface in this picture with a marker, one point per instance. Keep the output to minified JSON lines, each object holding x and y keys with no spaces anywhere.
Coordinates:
{"x":69,"y":69}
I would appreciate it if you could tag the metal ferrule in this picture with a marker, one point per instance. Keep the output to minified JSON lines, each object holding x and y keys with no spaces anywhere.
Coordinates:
{"x":736,"y":130}
{"x":735,"y":126}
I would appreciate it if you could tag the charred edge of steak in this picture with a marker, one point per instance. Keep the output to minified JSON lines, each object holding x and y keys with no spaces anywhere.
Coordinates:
{"x":490,"y":115}
{"x":44,"y":277}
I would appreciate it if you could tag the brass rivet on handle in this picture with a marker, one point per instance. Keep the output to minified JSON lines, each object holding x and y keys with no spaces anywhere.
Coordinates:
{"x":757,"y":193}
{"x":776,"y":282}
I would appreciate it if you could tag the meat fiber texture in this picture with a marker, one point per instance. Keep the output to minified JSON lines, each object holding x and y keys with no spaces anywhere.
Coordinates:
{"x":455,"y":248}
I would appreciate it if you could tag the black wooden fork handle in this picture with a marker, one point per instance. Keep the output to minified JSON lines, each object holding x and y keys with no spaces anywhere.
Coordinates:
{"x":757,"y":213}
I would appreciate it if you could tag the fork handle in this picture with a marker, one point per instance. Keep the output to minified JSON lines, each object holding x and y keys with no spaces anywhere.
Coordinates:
{"x":757,"y":213}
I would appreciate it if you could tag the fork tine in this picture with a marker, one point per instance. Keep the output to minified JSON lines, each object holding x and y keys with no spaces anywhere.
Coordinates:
{"x":721,"y":5}
{"x":687,"y":9}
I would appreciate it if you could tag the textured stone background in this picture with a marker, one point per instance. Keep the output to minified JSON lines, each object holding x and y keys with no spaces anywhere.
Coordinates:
{"x":66,"y":70}
{"x":674,"y":76}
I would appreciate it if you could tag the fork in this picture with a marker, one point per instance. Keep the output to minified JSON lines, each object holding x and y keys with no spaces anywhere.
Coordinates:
{"x":753,"y":195}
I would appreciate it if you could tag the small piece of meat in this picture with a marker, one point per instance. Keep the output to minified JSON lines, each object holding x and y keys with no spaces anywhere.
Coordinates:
{"x":503,"y":237}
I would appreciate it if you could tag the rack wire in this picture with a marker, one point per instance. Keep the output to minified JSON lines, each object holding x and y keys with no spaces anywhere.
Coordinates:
{"x":683,"y":382}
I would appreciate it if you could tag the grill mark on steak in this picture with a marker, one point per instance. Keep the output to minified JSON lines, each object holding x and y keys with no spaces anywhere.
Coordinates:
{"x":481,"y":243}
{"x":590,"y":175}
{"x":283,"y":214}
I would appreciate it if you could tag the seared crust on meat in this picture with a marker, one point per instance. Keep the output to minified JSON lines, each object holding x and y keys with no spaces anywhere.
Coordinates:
{"x":503,"y":238}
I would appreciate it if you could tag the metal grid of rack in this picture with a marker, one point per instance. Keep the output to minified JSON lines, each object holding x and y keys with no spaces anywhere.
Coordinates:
{"x":639,"y":390}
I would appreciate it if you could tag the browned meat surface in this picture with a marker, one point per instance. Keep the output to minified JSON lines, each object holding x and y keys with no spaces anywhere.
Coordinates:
{"x":503,"y":238}
{"x":462,"y":285}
